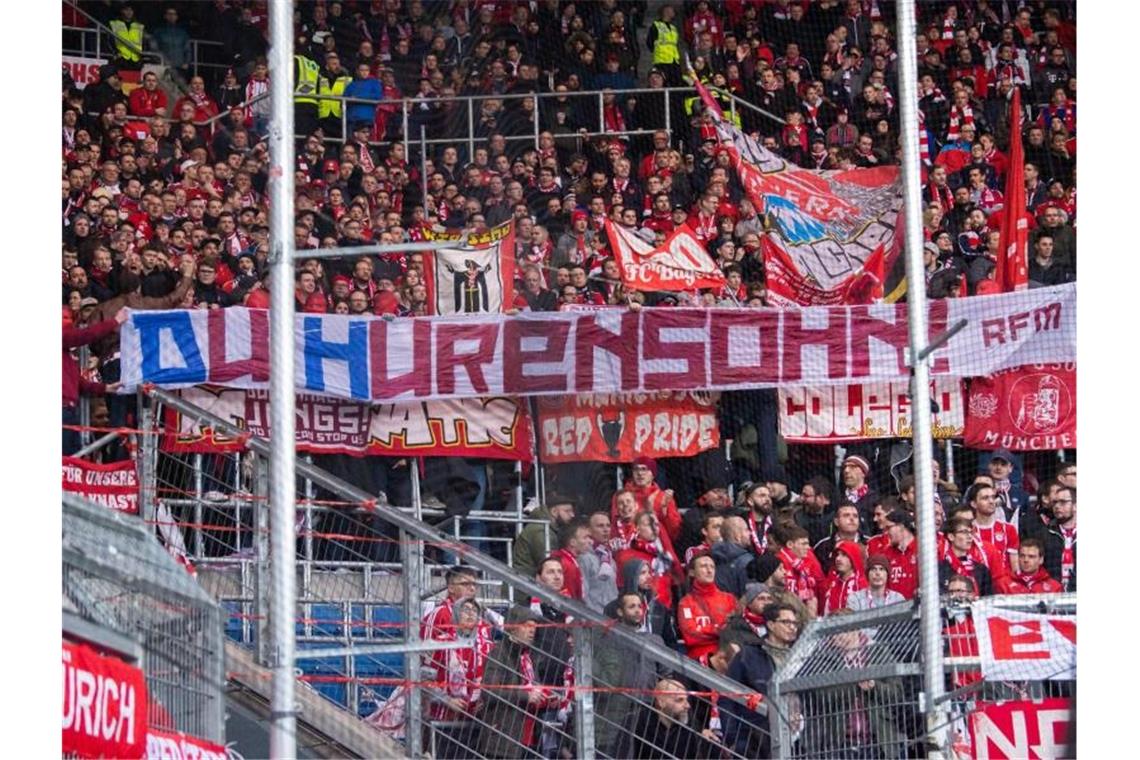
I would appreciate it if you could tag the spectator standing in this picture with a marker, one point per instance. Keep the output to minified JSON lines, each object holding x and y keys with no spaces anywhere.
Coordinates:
{"x":128,"y":34}
{"x":173,"y":41}
{"x":966,"y":556}
{"x":733,"y":556}
{"x":536,"y":539}
{"x":1061,"y":538}
{"x":73,"y":383}
{"x":875,"y":594}
{"x":664,"y":40}
{"x":845,"y":527}
{"x":597,"y":564}
{"x":509,"y":715}
{"x":663,"y":730}
{"x":573,"y":541}
{"x":703,"y":612}
{"x":845,"y":578}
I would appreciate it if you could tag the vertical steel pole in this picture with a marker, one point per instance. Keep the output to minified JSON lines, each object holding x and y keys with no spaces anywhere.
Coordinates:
{"x":199,"y":495}
{"x":148,"y":481}
{"x":282,"y":400}
{"x":261,"y":585}
{"x":950,"y":460}
{"x":470,"y":130}
{"x":584,"y":693}
{"x":84,"y":402}
{"x":936,"y":718}
{"x":413,"y":593}
{"x":423,"y":163}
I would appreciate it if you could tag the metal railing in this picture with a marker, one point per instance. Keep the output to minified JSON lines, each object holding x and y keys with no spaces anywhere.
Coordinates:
{"x":116,"y":578}
{"x":358,"y":625}
{"x":853,"y":683}
{"x":101,"y":29}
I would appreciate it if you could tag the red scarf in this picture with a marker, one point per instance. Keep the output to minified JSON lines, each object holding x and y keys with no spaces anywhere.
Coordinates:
{"x":755,"y":622}
{"x":759,"y":535}
{"x":958,"y":119}
{"x":799,"y":578}
{"x":855,"y":494}
{"x":840,"y":589}
{"x":613,"y":118}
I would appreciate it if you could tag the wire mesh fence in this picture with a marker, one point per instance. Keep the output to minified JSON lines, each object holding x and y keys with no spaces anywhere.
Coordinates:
{"x":117,"y":578}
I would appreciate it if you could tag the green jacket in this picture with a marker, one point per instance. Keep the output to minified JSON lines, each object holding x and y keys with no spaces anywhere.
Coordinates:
{"x":530,"y":546}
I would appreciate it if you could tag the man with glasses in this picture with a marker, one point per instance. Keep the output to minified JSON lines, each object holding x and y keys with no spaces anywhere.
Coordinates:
{"x":1061,"y":537}
{"x":439,"y":624}
{"x":746,"y":732}
{"x":966,"y":556}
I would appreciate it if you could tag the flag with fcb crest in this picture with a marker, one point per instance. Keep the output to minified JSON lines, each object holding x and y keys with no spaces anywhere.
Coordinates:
{"x":831,"y":234}
{"x":476,"y":277}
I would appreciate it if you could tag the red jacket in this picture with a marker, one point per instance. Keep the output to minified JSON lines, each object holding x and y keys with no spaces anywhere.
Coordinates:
{"x":1038,"y":583}
{"x":803,"y":576}
{"x":73,"y":384}
{"x":571,"y":573}
{"x":701,"y":614}
{"x":835,"y":590}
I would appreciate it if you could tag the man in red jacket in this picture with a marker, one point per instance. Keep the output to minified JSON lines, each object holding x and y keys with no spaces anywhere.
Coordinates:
{"x":73,"y":384}
{"x":650,"y":496}
{"x":572,"y":542}
{"x":1032,"y":577}
{"x":703,"y":612}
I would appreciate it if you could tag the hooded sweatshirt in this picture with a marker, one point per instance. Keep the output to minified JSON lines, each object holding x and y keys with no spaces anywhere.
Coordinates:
{"x":701,"y":614}
{"x":1037,"y":583}
{"x":837,"y":589}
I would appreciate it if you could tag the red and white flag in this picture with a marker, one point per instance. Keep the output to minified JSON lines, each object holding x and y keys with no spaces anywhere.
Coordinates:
{"x":1029,"y":408}
{"x":680,"y":263}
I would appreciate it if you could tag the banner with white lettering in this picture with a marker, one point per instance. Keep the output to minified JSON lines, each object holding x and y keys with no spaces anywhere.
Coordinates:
{"x":1021,"y":646}
{"x":490,"y":428}
{"x":611,"y":351}
{"x":624,"y":426}
{"x":1024,"y":730}
{"x":680,"y":263}
{"x":1032,"y":408}
{"x":114,"y":485}
{"x":163,"y":745}
{"x":84,"y":71}
{"x":104,"y":705}
{"x":860,"y":411}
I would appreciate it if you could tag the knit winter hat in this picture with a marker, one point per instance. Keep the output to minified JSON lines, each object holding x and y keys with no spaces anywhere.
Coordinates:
{"x":765,"y":565}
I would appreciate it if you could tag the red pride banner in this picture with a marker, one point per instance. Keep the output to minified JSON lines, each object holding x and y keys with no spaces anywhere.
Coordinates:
{"x":1029,"y":408}
{"x":1025,"y":646}
{"x":622,"y":427}
{"x":113,"y":485}
{"x":478,"y":277}
{"x":788,"y":287}
{"x":862,"y":411}
{"x":161,"y":745}
{"x":490,"y":428}
{"x":104,"y":705}
{"x":1023,"y":730}
{"x":680,"y":263}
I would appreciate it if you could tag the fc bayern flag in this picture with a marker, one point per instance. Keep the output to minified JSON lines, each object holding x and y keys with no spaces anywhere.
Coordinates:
{"x":1029,"y":408}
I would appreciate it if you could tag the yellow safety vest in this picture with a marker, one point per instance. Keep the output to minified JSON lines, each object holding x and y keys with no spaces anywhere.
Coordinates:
{"x":308,"y":80}
{"x":725,"y":106}
{"x":124,"y":34}
{"x":665,"y":47}
{"x":329,"y":107}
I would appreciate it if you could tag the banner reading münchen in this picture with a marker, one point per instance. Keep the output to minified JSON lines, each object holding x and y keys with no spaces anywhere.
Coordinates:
{"x":607,"y":351}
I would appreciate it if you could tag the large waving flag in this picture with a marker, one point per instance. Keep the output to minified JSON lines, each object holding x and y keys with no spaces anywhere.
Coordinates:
{"x":1012,"y":271}
{"x":680,"y":263}
{"x":831,"y":234}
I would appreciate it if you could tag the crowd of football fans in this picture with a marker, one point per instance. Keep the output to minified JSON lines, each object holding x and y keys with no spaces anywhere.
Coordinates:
{"x":165,"y":206}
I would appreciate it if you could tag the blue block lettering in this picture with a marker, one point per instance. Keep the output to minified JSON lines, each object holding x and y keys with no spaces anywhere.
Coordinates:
{"x":151,"y":325}
{"x":354,"y":354}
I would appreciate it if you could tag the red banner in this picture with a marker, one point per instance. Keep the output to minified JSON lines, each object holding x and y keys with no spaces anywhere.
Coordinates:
{"x":161,"y":745}
{"x":1029,"y":408}
{"x":113,"y":485}
{"x":622,"y":427}
{"x":104,"y":705}
{"x":478,"y":277}
{"x":788,"y":287}
{"x":1024,"y":730}
{"x":861,"y":411}
{"x":490,"y":428}
{"x":1012,"y":271}
{"x":680,"y":263}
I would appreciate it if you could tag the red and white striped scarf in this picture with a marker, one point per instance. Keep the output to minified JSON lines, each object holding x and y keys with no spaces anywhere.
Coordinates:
{"x":252,"y":89}
{"x":923,"y":140}
{"x":759,"y":534}
{"x":958,"y":119}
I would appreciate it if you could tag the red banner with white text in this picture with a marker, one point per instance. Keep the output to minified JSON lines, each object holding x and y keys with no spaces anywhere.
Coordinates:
{"x":680,"y":263}
{"x":622,"y":427}
{"x":860,"y":411}
{"x":490,"y":428}
{"x":162,"y":745}
{"x":114,"y":485}
{"x":104,"y":705}
{"x":1024,"y":730}
{"x":1030,"y":408}
{"x":787,"y":286}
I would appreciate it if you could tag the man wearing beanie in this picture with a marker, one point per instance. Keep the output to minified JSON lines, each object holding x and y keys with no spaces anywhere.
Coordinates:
{"x":856,"y":470}
{"x":769,"y":571}
{"x":876,"y":594}
{"x":746,"y":628}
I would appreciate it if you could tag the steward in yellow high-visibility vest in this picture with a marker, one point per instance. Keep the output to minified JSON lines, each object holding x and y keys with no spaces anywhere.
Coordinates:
{"x":333,"y":79}
{"x":306,"y":77}
{"x":664,"y":40}
{"x":128,"y":37}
